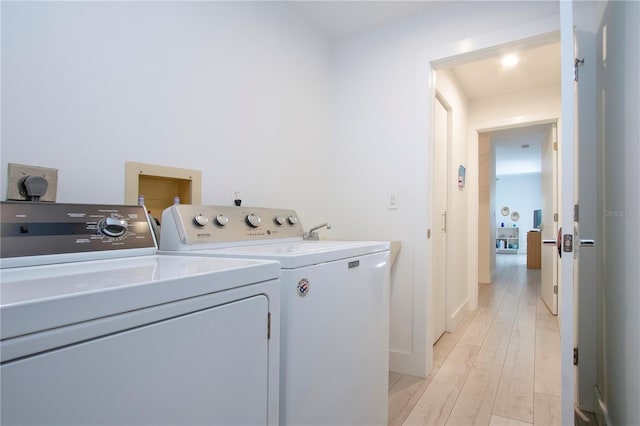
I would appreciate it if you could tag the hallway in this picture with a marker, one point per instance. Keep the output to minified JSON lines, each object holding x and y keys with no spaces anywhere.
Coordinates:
{"x":501,"y":366}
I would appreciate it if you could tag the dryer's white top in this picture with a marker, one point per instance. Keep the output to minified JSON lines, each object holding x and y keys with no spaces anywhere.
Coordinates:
{"x":44,"y":297}
{"x":296,"y":254}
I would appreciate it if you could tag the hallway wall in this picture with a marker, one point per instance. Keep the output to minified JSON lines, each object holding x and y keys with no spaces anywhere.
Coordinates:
{"x":619,"y":292}
{"x":521,"y":193}
{"x":486,"y":208}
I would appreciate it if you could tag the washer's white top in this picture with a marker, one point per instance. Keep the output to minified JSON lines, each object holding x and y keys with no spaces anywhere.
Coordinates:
{"x":37,"y":298}
{"x":296,"y":254}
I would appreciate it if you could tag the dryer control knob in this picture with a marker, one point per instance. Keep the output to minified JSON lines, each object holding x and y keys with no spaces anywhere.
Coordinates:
{"x":253,"y":220}
{"x":292,"y":220}
{"x":222,"y":220}
{"x":112,"y":227}
{"x":201,"y":220}
{"x":279,"y":220}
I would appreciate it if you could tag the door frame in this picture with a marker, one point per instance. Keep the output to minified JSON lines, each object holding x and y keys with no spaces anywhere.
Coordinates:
{"x":417,"y":358}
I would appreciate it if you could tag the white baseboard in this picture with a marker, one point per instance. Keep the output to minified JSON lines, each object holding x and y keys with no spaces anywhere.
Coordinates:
{"x":405,"y":363}
{"x":455,"y":318}
{"x":602,"y":415}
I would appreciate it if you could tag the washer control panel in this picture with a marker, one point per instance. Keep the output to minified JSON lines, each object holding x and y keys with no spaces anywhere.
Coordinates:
{"x":196,"y":224}
{"x":36,"y":229}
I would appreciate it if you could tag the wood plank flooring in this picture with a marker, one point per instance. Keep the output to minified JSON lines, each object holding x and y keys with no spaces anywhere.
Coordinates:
{"x":501,"y":366}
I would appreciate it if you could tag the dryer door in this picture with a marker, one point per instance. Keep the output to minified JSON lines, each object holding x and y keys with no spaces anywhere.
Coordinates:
{"x":205,"y":367}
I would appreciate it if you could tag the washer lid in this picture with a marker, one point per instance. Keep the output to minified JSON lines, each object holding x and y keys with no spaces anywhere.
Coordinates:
{"x":299,"y":253}
{"x":37,"y":298}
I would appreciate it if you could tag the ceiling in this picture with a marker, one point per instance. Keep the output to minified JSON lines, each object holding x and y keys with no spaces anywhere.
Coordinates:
{"x":341,"y":19}
{"x":519,"y":150}
{"x":538,"y":66}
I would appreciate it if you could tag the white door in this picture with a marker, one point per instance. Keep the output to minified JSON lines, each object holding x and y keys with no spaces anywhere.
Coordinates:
{"x":586,"y":212}
{"x":549,"y":254}
{"x":439,"y":215}
{"x":576,"y":184}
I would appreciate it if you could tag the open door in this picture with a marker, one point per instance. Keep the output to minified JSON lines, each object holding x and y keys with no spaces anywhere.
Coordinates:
{"x":586,"y":252}
{"x":578,"y":193}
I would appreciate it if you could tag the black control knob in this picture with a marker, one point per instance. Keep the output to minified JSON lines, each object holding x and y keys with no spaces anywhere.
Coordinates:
{"x":112,"y":227}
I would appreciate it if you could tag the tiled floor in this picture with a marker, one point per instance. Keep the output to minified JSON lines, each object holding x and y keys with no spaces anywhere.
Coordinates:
{"x":501,"y":366}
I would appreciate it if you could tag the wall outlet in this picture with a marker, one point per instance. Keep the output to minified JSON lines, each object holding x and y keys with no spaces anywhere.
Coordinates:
{"x":236,"y":197}
{"x":18,"y":172}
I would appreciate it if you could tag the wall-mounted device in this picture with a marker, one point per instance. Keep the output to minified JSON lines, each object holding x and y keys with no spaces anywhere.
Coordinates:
{"x":462,"y":171}
{"x":31,"y":183}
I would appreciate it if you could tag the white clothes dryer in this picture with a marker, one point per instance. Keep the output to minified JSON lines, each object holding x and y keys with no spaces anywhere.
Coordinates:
{"x":335,"y":307}
{"x":97,"y":329}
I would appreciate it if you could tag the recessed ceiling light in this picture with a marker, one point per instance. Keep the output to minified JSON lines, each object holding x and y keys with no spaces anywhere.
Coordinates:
{"x":509,"y":61}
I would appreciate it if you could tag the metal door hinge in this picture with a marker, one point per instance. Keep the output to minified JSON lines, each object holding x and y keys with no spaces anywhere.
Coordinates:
{"x":575,"y":68}
{"x":555,"y":217}
{"x":576,"y":213}
{"x":269,"y":326}
{"x":555,"y":289}
{"x":575,"y":356}
{"x":555,"y":146}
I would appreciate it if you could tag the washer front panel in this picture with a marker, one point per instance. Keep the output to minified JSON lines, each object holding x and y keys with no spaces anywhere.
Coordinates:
{"x":37,"y":233}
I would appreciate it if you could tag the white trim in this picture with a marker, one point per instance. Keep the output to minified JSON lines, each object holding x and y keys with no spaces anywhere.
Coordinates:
{"x":454,"y":319}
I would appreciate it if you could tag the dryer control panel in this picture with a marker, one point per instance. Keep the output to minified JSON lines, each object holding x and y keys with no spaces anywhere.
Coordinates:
{"x":30,"y":230}
{"x":184,"y":225}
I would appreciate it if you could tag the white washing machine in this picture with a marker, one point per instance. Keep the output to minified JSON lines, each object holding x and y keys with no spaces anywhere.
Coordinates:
{"x":96,"y":329}
{"x":335,"y":307}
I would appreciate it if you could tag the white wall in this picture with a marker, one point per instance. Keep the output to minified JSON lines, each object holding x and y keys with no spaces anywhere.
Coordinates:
{"x":619,"y":292}
{"x":238,"y":90}
{"x":381,"y":135}
{"x":521,"y":193}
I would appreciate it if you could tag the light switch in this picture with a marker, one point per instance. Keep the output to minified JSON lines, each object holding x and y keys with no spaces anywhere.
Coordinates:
{"x":393,"y":200}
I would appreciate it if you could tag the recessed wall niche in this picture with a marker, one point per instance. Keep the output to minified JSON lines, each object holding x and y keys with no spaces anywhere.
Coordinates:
{"x":159,"y":185}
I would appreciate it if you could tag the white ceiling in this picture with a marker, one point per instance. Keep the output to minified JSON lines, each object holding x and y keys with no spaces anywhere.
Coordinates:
{"x":341,"y":19}
{"x":512,"y":154}
{"x":538,"y":67}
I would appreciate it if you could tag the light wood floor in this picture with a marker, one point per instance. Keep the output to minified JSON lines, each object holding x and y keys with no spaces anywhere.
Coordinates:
{"x":501,"y":366}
